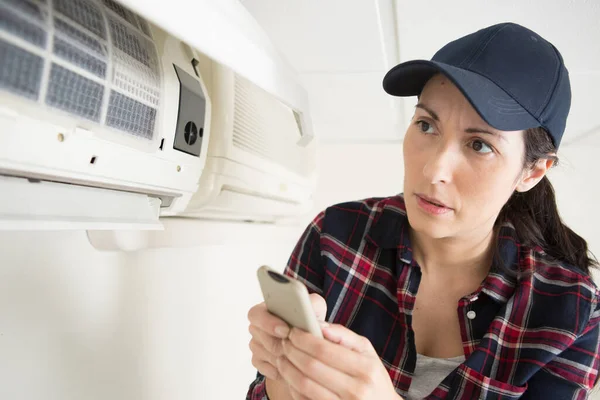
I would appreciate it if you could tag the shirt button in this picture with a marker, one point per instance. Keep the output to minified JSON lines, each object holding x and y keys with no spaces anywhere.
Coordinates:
{"x":471,"y":315}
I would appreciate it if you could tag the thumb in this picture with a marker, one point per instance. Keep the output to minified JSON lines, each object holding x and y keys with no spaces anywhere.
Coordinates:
{"x":319,"y":305}
{"x":349,"y":339}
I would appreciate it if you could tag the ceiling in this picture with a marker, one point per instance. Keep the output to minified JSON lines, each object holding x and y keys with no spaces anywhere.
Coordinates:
{"x":342,"y":49}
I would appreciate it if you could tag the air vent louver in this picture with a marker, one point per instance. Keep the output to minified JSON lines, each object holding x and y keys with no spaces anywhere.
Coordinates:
{"x":264,"y":126}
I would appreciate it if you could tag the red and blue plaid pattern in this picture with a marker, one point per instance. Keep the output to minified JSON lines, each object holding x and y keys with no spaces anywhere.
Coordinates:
{"x":535,"y":336}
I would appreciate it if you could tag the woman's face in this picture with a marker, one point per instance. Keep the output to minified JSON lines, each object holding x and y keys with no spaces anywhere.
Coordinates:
{"x":452,"y":157}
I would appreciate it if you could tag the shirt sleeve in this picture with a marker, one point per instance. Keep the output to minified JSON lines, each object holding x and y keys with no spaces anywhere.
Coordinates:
{"x":258,"y":388}
{"x":574,"y":372}
{"x":305,"y":264}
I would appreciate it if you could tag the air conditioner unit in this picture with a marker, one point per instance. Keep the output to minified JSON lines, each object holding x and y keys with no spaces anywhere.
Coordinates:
{"x":108,"y":121}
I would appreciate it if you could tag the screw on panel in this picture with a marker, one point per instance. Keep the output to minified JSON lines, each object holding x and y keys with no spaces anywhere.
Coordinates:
{"x":179,"y":168}
{"x":61,"y":137}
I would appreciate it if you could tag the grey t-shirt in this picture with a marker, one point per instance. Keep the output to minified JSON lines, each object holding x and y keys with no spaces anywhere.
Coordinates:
{"x":429,"y":372}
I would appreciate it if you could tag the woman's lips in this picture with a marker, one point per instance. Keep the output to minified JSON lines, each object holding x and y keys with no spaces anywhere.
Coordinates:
{"x":432,"y":206}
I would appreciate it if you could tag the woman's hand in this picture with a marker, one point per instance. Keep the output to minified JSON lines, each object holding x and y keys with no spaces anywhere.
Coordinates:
{"x":267,"y":332}
{"x":345,"y":366}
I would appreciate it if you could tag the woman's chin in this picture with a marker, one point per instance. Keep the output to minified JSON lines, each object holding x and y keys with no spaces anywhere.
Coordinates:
{"x":432,"y":228}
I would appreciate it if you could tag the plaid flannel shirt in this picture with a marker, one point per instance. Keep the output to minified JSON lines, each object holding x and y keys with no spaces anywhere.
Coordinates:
{"x":533,"y":337}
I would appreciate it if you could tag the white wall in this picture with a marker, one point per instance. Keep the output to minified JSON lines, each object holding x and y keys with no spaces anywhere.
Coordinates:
{"x":168,"y":324}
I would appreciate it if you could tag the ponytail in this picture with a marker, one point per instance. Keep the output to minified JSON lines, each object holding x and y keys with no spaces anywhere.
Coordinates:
{"x":535,"y":216}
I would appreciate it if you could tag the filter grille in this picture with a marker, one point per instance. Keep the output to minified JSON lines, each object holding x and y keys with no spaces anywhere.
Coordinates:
{"x":81,"y":58}
{"x":98,"y":58}
{"x":73,"y":93}
{"x":84,"y":13}
{"x":20,"y":71}
{"x":79,"y":37}
{"x":25,"y":6}
{"x":15,"y":24}
{"x":129,"y":115}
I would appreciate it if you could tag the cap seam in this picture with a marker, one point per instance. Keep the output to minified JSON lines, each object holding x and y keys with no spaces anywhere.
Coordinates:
{"x":475,"y":55}
{"x":550,"y":92}
{"x":508,"y":93}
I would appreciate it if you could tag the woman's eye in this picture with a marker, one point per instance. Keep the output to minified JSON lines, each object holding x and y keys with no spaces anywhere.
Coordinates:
{"x":425,"y":127}
{"x":481,"y":147}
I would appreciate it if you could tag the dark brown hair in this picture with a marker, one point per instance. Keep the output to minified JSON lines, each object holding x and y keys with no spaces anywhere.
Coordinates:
{"x":535,"y":216}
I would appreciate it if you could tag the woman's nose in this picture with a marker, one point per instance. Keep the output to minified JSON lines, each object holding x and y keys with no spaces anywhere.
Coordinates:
{"x":441,"y":165}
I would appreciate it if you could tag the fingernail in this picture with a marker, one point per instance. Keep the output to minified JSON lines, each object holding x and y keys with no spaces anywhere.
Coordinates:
{"x":282,"y":331}
{"x":324,"y":324}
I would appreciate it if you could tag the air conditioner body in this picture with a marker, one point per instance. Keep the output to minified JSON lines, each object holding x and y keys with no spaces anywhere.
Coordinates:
{"x":260,"y":165}
{"x":108,"y":121}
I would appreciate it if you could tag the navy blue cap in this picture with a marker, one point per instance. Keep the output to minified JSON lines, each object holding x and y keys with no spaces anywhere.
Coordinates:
{"x":514,"y":78}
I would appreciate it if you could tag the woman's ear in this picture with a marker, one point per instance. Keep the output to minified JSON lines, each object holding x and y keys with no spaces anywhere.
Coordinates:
{"x":533,"y":175}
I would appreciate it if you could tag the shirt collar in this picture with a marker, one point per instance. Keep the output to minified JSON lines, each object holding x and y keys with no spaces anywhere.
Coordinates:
{"x":500,"y":283}
{"x":390,"y":230}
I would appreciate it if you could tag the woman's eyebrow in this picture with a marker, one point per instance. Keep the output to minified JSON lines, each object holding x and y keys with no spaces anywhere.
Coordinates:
{"x":468,"y":130}
{"x":481,"y":130}
{"x":428,"y":110}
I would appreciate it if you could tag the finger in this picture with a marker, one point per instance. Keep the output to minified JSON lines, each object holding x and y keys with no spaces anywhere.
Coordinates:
{"x":263,"y":361}
{"x":267,"y":369}
{"x":336,"y":356}
{"x":295,"y":395}
{"x":349,"y":339}
{"x":262,"y":318}
{"x":260,"y":353}
{"x":326,"y":376}
{"x":270,"y":343}
{"x":319,"y":305}
{"x":302,"y":384}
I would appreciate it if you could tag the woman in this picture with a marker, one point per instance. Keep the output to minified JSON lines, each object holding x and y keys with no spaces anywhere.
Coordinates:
{"x":468,"y":285}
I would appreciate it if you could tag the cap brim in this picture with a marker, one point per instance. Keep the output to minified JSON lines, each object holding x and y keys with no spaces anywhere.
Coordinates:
{"x":492,"y":103}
